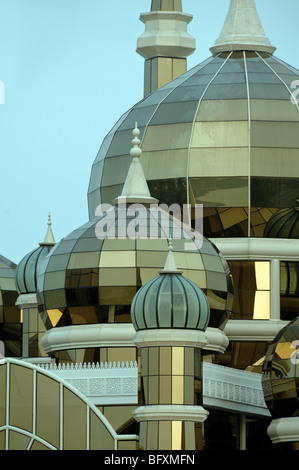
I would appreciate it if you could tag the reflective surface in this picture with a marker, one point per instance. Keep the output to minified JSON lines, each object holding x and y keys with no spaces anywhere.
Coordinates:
{"x":252,"y":290}
{"x":170,"y":376}
{"x":170,"y":301}
{"x":284,"y":224}
{"x":90,"y":280}
{"x":27,"y":269}
{"x":10,"y":315}
{"x":281,"y":372}
{"x":225,"y":134}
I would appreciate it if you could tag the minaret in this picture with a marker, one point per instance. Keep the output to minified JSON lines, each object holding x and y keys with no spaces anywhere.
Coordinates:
{"x":165,"y":44}
{"x":242,"y":30}
{"x":170,"y":315}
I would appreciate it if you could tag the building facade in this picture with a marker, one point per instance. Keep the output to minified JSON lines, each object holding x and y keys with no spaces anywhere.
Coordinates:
{"x":137,"y":331}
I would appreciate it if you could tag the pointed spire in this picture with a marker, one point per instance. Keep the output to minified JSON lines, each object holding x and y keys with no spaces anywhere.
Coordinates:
{"x":49,"y":238}
{"x":170,"y":266}
{"x":135,"y":189}
{"x":242,"y":30}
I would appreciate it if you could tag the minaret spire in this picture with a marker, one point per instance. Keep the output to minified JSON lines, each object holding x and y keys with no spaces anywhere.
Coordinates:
{"x":49,"y":238}
{"x":242,"y":30}
{"x":165,"y":44}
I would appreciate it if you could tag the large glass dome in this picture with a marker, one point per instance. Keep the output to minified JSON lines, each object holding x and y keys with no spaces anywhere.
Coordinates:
{"x":88,"y":279}
{"x":224,"y":134}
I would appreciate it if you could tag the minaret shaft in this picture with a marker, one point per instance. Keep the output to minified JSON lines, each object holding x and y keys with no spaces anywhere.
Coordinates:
{"x":165,"y":44}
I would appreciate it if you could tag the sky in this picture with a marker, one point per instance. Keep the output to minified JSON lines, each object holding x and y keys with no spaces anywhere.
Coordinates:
{"x":69,"y":70}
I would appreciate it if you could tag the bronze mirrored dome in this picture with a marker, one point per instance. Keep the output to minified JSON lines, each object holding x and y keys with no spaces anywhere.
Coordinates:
{"x":202,"y":146}
{"x":280,"y":377}
{"x":86,"y":279}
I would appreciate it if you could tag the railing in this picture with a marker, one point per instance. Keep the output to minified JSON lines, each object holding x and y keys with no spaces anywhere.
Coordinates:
{"x":117,"y":383}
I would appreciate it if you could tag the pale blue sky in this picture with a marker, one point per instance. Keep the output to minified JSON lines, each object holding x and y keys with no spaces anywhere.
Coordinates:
{"x":70,"y":71}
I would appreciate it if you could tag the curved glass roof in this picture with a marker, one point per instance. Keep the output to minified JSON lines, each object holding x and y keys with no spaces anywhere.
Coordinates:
{"x":283,"y":224}
{"x":28,"y":268}
{"x":198,"y":146}
{"x":92,"y":277}
{"x":281,"y":373}
{"x":7,"y":273}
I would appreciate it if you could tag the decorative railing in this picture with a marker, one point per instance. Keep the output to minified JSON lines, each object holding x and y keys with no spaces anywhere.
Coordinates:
{"x":117,"y":383}
{"x":237,"y":390}
{"x":105,"y":383}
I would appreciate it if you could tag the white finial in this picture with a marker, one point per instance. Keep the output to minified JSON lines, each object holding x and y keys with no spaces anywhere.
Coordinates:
{"x":49,"y":219}
{"x":135,"y":189}
{"x":136,"y":151}
{"x":170,"y":264}
{"x":242,"y":30}
{"x":49,"y":238}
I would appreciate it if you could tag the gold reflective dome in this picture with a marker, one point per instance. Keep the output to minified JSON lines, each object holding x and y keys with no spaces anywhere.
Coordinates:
{"x":91,"y":277}
{"x":225,"y":134}
{"x":10,"y":315}
{"x":281,"y":372}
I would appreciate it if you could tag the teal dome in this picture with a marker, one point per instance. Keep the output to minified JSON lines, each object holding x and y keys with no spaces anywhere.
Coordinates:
{"x":28,"y":269}
{"x":283,"y":224}
{"x":170,"y":301}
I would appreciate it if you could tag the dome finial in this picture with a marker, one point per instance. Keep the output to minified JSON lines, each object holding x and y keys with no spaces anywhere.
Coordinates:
{"x":242,"y":30}
{"x":136,"y":151}
{"x":135,"y":189}
{"x":49,"y":238}
{"x":170,"y":264}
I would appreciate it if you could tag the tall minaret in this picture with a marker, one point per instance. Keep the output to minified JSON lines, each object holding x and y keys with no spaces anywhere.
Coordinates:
{"x":242,"y":30}
{"x":170,"y":315}
{"x":165,"y":44}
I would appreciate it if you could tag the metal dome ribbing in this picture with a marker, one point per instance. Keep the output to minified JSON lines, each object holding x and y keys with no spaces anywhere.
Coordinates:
{"x":170,"y":301}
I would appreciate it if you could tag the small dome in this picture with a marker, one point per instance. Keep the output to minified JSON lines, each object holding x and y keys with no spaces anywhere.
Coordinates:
{"x":28,"y":268}
{"x":281,"y":373}
{"x":283,"y":224}
{"x":170,"y":301}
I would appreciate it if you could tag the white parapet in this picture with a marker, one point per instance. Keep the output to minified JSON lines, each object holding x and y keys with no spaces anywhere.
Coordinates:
{"x":224,"y":388}
{"x":284,"y":430}
{"x":102,"y":384}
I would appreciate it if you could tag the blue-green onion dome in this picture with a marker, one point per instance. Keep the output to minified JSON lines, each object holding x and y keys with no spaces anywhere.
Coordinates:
{"x":170,"y":301}
{"x":28,"y":268}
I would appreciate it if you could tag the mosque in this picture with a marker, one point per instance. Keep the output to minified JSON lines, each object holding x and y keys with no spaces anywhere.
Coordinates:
{"x":137,"y":332}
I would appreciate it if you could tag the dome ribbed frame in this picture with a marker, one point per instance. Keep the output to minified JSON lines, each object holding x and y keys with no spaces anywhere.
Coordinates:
{"x":28,"y":269}
{"x":170,"y":301}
